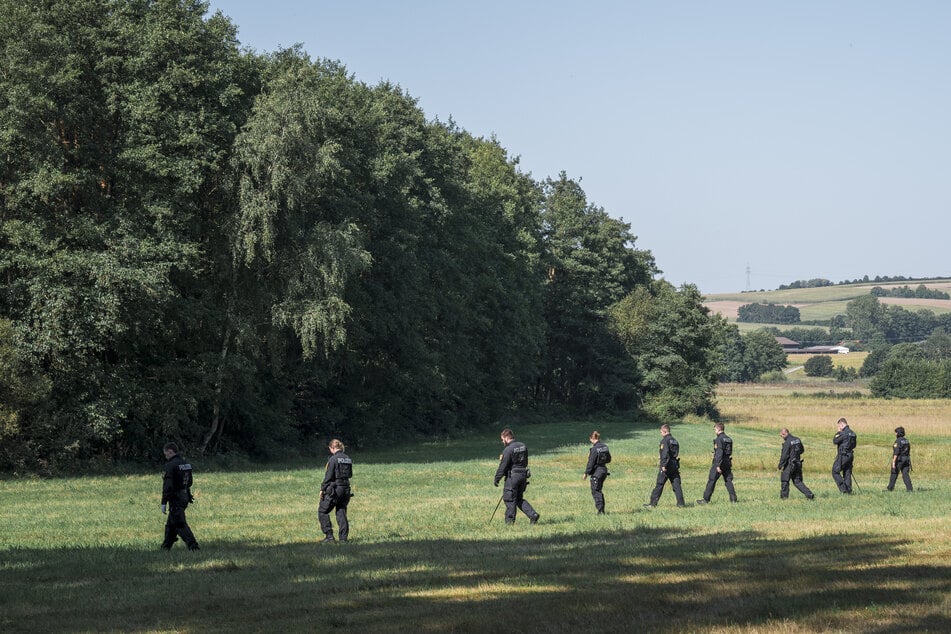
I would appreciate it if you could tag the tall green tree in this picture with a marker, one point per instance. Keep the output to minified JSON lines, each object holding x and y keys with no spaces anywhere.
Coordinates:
{"x":591,"y":265}
{"x":116,"y":120}
{"x":865,"y":315}
{"x":672,"y":339}
{"x":746,"y":357}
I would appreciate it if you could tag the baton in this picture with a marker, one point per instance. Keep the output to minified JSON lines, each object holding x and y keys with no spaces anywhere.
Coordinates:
{"x":856,"y":483}
{"x":496,"y":508}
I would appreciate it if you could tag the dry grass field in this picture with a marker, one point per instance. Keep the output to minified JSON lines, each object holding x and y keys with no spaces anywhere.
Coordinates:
{"x":771,"y":406}
{"x":850,"y":360}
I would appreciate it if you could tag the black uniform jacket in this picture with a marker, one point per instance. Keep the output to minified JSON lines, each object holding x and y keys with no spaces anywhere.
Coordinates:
{"x":339,"y":471}
{"x":902,"y":449}
{"x":792,"y":451}
{"x":722,"y":451}
{"x":669,"y":453}
{"x":598,"y":456}
{"x":514,"y":457}
{"x":845,"y":439}
{"x":177,"y":481}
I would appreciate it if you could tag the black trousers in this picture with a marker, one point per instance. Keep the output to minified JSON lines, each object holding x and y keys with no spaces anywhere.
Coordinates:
{"x":727,"y":472}
{"x":793,"y":471}
{"x":597,"y":482}
{"x":176,"y":525}
{"x":336,"y":500}
{"x":904,"y":468}
{"x":842,"y":472}
{"x":662,"y":478}
{"x":514,"y":497}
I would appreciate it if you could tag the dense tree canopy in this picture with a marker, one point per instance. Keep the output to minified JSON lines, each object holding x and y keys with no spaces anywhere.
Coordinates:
{"x":252,"y":252}
{"x":768,"y":314}
{"x":745,"y":358}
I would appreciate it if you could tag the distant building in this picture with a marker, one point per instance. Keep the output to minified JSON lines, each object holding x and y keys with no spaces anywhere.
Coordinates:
{"x":792,"y":347}
{"x":823,"y":350}
{"x":788,"y":344}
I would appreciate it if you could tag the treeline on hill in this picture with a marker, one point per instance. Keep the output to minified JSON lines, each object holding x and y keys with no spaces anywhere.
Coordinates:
{"x":821,"y":282}
{"x":767,"y":314}
{"x":919,"y":292}
{"x":251,"y":252}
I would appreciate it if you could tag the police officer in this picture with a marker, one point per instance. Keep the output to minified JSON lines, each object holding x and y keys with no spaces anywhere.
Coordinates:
{"x":845,"y":441}
{"x":790,"y":463}
{"x":335,"y":493}
{"x":513,"y":466}
{"x":598,"y":457}
{"x":669,"y":468}
{"x":176,"y":495}
{"x":901,"y":460}
{"x":722,"y":465}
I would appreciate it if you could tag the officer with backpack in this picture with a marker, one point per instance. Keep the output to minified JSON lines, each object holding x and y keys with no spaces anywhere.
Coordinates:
{"x":722,"y":465}
{"x":598,"y":458}
{"x":335,"y":493}
{"x":901,"y":460}
{"x":845,"y":441}
{"x":669,"y":468}
{"x":790,"y":463}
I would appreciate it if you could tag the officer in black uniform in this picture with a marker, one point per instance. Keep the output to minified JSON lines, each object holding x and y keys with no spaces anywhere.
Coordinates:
{"x":901,"y":460}
{"x":176,"y":495}
{"x":790,"y":463}
{"x":598,"y":457}
{"x":845,"y":441}
{"x":513,"y":466}
{"x":722,"y":465}
{"x":669,"y":468}
{"x":335,"y":493}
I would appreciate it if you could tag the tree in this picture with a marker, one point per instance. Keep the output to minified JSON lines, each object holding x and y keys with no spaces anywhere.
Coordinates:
{"x":730,"y":351}
{"x":938,"y":346}
{"x":762,"y":354}
{"x":744,"y":358}
{"x":912,"y":378}
{"x":818,"y":365}
{"x":900,"y":325}
{"x":591,"y":265}
{"x":768,"y":313}
{"x":873,"y":362}
{"x":865,"y":316}
{"x":116,"y":119}
{"x":671,"y":337}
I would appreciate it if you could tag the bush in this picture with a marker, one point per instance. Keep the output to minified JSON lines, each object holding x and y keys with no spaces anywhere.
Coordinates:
{"x":776,"y":376}
{"x":820,"y":365}
{"x":845,"y":375}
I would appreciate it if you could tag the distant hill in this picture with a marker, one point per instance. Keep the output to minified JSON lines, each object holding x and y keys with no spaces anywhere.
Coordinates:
{"x":827,"y":301}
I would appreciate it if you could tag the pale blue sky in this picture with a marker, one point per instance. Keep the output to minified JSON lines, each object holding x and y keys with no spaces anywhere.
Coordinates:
{"x":806,"y":139}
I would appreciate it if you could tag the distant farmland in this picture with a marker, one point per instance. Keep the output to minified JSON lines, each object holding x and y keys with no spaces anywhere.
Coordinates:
{"x":825,"y":302}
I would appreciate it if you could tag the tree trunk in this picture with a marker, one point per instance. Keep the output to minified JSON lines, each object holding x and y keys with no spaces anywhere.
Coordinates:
{"x":216,"y":422}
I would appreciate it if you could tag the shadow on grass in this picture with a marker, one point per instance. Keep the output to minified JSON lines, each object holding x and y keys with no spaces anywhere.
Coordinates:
{"x":540,"y":437}
{"x":647,"y":580}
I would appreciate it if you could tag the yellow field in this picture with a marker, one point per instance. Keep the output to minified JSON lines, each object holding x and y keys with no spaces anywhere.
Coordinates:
{"x":772,"y":407}
{"x":850,"y":360}
{"x":812,"y":415}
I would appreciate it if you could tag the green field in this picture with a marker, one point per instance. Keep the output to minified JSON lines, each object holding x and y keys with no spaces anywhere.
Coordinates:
{"x":819,"y":304}
{"x":81,"y":554}
{"x":835,"y":293}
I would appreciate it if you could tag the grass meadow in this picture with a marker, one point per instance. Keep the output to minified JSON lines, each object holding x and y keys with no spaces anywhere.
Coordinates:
{"x":81,"y":554}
